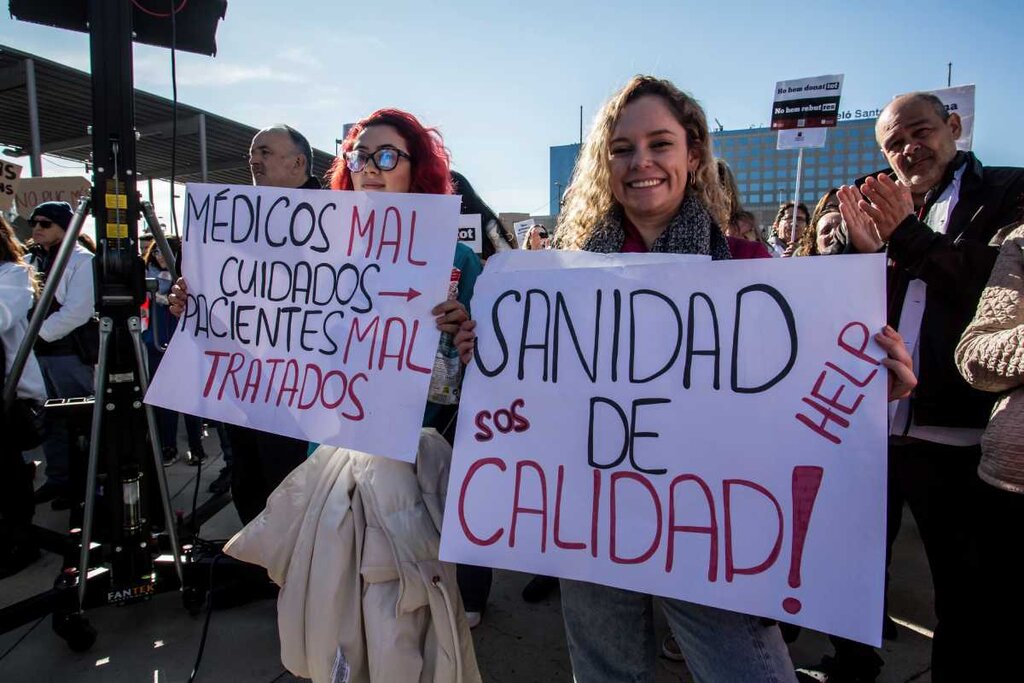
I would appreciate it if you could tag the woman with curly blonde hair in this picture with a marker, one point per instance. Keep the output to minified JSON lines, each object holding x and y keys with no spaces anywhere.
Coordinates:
{"x":647,"y":181}
{"x":643,"y":188}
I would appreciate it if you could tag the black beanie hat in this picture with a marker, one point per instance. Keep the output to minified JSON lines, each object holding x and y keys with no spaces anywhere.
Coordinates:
{"x":58,"y":212}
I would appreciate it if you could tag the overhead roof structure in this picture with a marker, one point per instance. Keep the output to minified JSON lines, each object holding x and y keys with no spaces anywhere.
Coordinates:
{"x":45,"y":108}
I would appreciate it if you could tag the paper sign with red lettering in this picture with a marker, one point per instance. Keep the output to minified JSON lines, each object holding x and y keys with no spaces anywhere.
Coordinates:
{"x":708,"y":431}
{"x":308,"y":313}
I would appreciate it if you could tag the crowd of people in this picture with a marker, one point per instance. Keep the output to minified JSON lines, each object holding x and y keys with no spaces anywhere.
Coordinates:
{"x":647,"y":181}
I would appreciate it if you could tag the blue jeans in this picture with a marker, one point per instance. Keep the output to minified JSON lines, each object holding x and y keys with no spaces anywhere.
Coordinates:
{"x":65,"y":377}
{"x":610,"y":634}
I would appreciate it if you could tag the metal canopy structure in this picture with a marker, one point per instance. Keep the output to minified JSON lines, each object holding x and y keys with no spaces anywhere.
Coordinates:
{"x":45,"y":108}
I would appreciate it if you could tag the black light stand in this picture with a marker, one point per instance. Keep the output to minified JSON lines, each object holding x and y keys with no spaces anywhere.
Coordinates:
{"x":136,"y":555}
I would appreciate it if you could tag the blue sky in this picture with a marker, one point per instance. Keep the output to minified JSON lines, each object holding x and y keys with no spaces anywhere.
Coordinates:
{"x":505,"y":80}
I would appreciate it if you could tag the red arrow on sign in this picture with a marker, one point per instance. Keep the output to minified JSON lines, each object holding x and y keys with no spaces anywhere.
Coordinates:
{"x":408,"y":296}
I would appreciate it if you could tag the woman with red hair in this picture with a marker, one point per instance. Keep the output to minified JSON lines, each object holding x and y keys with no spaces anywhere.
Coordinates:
{"x":413,"y":156}
{"x":391,"y":151}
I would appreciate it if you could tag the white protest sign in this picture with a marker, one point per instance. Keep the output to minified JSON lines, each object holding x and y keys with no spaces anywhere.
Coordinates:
{"x":807,"y":102}
{"x":801,"y":138}
{"x":10,"y":173}
{"x":469,"y":232}
{"x":522,"y":228}
{"x":308,"y":312}
{"x":714,"y":432}
{"x":32,"y":192}
{"x":960,"y":100}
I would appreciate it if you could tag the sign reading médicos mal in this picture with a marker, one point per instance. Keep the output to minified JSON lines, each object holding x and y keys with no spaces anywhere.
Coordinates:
{"x":713,"y":432}
{"x":308,"y":312}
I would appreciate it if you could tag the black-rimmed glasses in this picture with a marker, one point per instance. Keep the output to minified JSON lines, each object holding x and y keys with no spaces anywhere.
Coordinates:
{"x":385,"y":159}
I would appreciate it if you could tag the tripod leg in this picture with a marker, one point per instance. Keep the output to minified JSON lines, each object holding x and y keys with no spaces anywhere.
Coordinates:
{"x":100,"y":405}
{"x":161,"y":240}
{"x":135,"y":328}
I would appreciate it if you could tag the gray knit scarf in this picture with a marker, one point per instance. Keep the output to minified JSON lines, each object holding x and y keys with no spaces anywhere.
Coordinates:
{"x":691,"y":231}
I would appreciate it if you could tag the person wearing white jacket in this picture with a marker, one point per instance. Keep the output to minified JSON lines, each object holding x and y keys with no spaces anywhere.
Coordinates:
{"x":352,"y":539}
{"x":17,"y":548}
{"x":68,"y":338}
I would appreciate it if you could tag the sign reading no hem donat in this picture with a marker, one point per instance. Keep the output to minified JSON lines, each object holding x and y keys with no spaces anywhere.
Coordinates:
{"x":807,"y":102}
{"x":308,"y":313}
{"x":713,"y":432}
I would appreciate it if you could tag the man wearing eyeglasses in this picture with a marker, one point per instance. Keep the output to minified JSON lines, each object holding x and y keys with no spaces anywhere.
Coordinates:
{"x":67,"y":339}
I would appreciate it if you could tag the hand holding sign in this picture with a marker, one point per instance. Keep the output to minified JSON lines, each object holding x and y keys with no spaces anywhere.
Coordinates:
{"x":599,"y":443}
{"x":178,"y":297}
{"x":902,"y":379}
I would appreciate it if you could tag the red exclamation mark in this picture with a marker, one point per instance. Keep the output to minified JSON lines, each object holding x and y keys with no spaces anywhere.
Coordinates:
{"x":806,"y":482}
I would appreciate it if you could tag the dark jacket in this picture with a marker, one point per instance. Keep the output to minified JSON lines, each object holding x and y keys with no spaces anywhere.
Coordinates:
{"x":311,"y":183}
{"x":955,"y":266}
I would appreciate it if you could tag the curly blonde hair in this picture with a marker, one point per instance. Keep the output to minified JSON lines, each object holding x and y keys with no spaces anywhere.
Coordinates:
{"x":589,"y":196}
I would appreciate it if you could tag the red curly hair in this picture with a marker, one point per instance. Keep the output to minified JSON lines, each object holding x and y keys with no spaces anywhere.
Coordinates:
{"x":430,"y":174}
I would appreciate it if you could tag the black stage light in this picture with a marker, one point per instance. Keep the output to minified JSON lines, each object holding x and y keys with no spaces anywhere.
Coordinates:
{"x":196,"y":20}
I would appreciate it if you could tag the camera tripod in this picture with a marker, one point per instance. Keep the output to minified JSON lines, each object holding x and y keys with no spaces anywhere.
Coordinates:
{"x":120,"y":553}
{"x":133,"y":563}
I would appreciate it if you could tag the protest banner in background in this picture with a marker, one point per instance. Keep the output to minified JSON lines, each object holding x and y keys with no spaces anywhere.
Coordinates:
{"x":469,"y":232}
{"x":960,"y":100}
{"x":522,"y":228}
{"x":32,"y":192}
{"x":801,"y":138}
{"x":714,"y":432}
{"x":308,"y":313}
{"x":10,"y":173}
{"x":807,"y":102}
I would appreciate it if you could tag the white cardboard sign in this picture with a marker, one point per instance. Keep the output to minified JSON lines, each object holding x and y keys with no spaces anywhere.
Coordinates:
{"x":960,"y":100}
{"x":309,"y":312}
{"x":797,"y":138}
{"x":522,"y":228}
{"x":714,"y":432}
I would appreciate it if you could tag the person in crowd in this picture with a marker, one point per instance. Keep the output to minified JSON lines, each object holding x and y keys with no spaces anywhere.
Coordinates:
{"x":739,"y":246}
{"x":744,"y":226}
{"x":647,"y":182}
{"x":825,"y":234}
{"x":990,"y":357}
{"x":391,"y":151}
{"x":495,"y":237}
{"x":935,"y":220}
{"x":279,"y":156}
{"x":18,"y":290}
{"x":156,"y":337}
{"x":782,"y":240}
{"x":68,"y":340}
{"x":536,"y":238}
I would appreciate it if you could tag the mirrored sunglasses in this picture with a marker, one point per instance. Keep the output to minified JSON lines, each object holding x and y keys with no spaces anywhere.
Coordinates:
{"x":385,"y":159}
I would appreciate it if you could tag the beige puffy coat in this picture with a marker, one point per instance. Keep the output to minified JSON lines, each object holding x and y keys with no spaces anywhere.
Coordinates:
{"x":991,"y":357}
{"x":352,"y":539}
